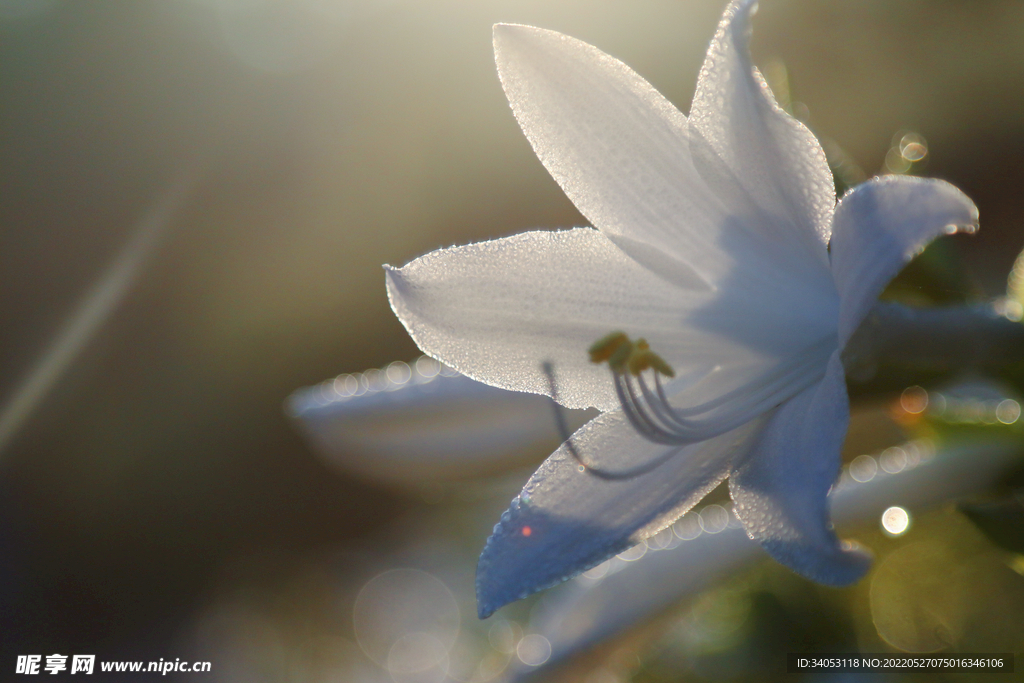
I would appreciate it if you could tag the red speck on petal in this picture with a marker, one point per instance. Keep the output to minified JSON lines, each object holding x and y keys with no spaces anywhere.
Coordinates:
{"x":527,"y":531}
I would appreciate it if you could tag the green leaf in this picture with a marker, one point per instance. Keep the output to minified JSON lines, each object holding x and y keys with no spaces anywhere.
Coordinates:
{"x":1001,"y":521}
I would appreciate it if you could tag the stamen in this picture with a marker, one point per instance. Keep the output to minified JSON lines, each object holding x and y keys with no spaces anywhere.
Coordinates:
{"x":620,"y":352}
{"x":600,"y":473}
{"x":638,"y":360}
{"x":654,"y":417}
{"x":603,"y":348}
{"x":618,"y":360}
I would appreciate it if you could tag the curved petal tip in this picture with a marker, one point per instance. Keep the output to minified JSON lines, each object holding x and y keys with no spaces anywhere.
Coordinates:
{"x":531,"y":550}
{"x":879,"y":226}
{"x":843,"y":564}
{"x":780,"y":491}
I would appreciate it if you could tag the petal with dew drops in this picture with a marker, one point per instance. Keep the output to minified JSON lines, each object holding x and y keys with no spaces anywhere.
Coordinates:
{"x":755,"y":156}
{"x":879,"y":226}
{"x":583,"y":614}
{"x":497,"y":311}
{"x":616,"y":146}
{"x":780,"y":488}
{"x":566,"y":521}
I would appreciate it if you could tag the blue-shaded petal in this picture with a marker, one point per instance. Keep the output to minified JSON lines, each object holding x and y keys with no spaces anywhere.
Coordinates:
{"x":567,"y":520}
{"x":780,"y":488}
{"x":878,"y":227}
{"x":579,"y":616}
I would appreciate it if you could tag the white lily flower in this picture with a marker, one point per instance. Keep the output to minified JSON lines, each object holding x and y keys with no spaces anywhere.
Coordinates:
{"x":719,"y":240}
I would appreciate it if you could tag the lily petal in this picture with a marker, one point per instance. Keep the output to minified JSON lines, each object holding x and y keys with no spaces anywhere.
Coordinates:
{"x":780,"y":489}
{"x":566,"y":520}
{"x":497,"y":310}
{"x":580,"y":615}
{"x":432,"y":425}
{"x":756,"y":157}
{"x":879,"y":226}
{"x":616,"y":146}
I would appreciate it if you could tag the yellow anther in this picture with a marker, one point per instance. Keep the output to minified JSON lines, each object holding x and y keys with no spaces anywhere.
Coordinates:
{"x":623,"y":354}
{"x":605,"y":347}
{"x":638,"y":361}
{"x":659,"y":365}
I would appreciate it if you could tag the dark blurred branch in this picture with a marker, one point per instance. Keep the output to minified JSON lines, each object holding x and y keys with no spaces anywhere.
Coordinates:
{"x":929,"y":341}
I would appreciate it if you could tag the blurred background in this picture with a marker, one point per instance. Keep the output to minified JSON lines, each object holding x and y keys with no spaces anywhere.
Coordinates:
{"x":196,"y":197}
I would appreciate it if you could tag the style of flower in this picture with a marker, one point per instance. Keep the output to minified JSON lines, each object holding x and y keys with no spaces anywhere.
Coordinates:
{"x":719,"y":240}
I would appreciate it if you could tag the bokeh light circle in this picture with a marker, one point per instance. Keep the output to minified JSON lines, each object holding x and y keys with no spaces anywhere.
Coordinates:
{"x":404,"y":609}
{"x":913,"y":607}
{"x":418,"y":657}
{"x":895,"y":521}
{"x":534,"y":650}
{"x":714,"y":519}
